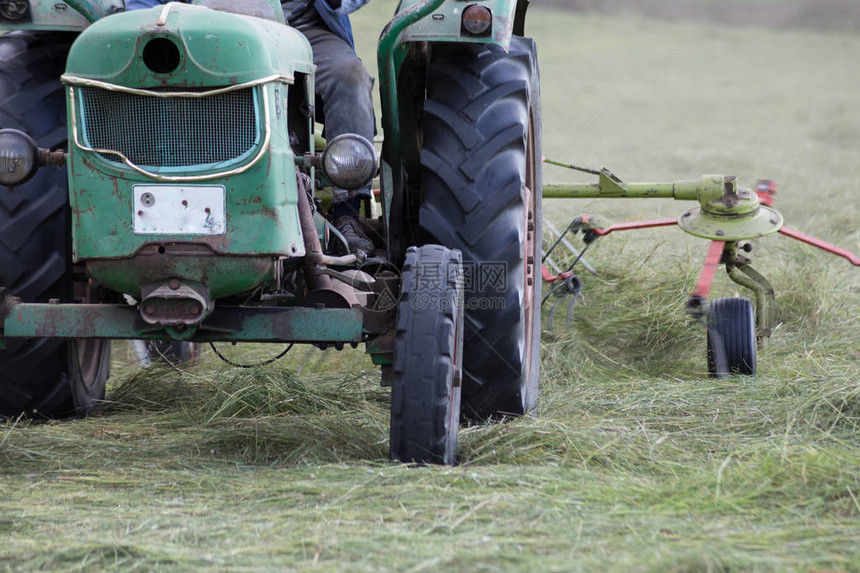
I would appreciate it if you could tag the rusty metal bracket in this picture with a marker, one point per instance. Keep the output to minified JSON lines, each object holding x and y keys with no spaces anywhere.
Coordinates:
{"x":740,"y":271}
{"x":226,"y":323}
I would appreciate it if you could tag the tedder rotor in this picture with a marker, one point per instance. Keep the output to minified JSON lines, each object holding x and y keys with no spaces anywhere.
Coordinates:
{"x":726,"y":215}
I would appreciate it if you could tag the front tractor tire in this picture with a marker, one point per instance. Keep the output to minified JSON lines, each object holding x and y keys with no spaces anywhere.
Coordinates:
{"x":41,"y":377}
{"x":428,"y":351}
{"x":480,"y":194}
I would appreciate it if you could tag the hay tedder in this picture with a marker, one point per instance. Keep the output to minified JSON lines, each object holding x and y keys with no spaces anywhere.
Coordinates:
{"x":727,"y":215}
{"x":165,"y":184}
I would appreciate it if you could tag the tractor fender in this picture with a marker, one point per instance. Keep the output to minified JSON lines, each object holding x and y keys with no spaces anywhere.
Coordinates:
{"x":445,"y":23}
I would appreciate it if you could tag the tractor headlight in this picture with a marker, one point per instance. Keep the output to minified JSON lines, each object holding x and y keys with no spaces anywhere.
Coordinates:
{"x":349,"y":161}
{"x":18,"y":157}
{"x":477,"y":20}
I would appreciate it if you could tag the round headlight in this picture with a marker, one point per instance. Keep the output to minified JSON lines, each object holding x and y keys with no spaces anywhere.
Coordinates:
{"x":349,"y":161}
{"x":18,"y":157}
{"x":477,"y":20}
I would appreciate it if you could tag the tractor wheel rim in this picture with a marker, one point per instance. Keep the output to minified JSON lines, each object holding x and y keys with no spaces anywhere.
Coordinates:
{"x":89,"y":360}
{"x":529,"y":258}
{"x":88,"y":351}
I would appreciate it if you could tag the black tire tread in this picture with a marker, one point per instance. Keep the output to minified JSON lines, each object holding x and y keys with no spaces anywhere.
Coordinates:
{"x":476,"y":117}
{"x":35,"y":376}
{"x":732,"y":343}
{"x":425,"y":360}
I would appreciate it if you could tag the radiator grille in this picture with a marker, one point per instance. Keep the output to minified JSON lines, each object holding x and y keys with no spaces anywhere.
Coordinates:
{"x":170,"y":131}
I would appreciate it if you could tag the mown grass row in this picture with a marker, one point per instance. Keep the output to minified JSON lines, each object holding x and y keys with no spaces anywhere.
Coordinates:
{"x":635,"y":461}
{"x":266,"y":469}
{"x":632,"y":464}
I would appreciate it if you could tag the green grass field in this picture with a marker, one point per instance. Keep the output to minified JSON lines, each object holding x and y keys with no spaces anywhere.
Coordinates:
{"x":636,"y":461}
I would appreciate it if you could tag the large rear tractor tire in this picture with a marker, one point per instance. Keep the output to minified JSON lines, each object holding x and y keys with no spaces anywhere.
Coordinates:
{"x":481,"y":194}
{"x":428,"y":350}
{"x":41,"y":377}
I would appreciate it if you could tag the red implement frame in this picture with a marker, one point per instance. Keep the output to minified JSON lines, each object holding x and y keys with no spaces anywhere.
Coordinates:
{"x":635,"y":225}
{"x":709,"y":270}
{"x":548,"y":277}
{"x":712,"y":260}
{"x":823,"y":245}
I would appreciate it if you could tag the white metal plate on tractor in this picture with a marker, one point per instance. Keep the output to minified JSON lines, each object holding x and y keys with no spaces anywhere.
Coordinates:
{"x":179,"y":209}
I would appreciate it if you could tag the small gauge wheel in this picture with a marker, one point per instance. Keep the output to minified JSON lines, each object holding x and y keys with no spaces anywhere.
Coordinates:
{"x":731,"y":337}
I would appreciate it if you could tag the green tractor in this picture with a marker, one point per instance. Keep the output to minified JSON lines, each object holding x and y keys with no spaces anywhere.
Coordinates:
{"x":165,"y":184}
